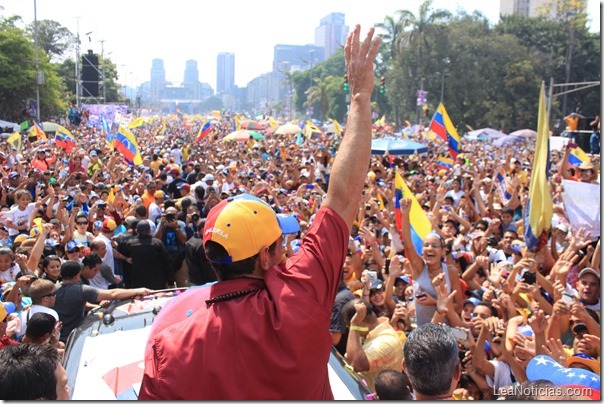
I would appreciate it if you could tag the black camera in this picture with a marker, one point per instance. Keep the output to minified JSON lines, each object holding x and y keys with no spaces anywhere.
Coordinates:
{"x":170,"y":217}
{"x":195,"y":217}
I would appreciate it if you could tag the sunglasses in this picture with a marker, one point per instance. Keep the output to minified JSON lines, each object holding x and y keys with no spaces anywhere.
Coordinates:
{"x":83,"y":223}
{"x":50,"y":295}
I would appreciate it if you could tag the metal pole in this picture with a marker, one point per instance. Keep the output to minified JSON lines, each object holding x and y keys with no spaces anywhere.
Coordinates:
{"x":442,"y":87}
{"x":77,"y":64}
{"x":37,"y":66}
{"x":550,"y":95}
{"x":102,"y":41}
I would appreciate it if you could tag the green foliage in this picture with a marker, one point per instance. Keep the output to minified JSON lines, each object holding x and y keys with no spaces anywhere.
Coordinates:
{"x":53,"y":38}
{"x":490,"y":75}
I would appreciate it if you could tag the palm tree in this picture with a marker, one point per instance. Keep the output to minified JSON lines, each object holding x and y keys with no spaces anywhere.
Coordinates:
{"x":392,"y":36}
{"x":319,"y":93}
{"x":420,"y":25}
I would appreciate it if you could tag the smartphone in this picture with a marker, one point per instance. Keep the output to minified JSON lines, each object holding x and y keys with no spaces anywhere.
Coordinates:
{"x":447,"y":208}
{"x":567,"y":298}
{"x":459,"y":334}
{"x":387,"y":266}
{"x":372,"y":274}
{"x":529,"y":278}
{"x":309,"y":186}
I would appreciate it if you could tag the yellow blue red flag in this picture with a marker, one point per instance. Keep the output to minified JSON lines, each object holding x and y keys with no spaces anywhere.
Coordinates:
{"x":442,"y":126}
{"x":445,"y":162}
{"x":204,"y":131}
{"x":125,"y":143}
{"x":420,"y":225}
{"x":538,"y":211}
{"x":64,"y":139}
{"x":577,"y":157}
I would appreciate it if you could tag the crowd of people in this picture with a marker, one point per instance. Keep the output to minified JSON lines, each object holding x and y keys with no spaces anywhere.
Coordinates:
{"x":470,"y":314}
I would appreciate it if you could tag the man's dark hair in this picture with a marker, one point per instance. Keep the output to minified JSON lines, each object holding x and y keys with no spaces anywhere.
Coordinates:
{"x":508,"y":210}
{"x":431,"y":359}
{"x":40,"y":324}
{"x":200,"y":192}
{"x":494,"y":312}
{"x":392,"y":385}
{"x":92,"y":260}
{"x":215,"y":252}
{"x":141,"y":211}
{"x":348,"y":311}
{"x":170,"y":203}
{"x":28,"y":372}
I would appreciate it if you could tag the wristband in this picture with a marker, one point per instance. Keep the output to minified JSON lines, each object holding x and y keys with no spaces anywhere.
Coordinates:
{"x":359,"y":328}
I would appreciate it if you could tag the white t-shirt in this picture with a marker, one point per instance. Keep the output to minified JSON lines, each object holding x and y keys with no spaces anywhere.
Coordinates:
{"x":25,"y":315}
{"x":19,"y":217}
{"x":177,"y":154}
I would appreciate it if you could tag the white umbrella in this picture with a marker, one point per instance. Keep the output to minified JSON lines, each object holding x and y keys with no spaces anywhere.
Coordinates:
{"x":288,"y":129}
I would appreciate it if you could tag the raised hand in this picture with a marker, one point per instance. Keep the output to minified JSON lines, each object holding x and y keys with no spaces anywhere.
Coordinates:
{"x":359,"y":61}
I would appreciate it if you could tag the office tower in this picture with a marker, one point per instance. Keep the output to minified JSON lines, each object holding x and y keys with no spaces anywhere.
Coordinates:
{"x":331,"y":34}
{"x":225,"y":72}
{"x":158,"y":78}
{"x":191,"y":72}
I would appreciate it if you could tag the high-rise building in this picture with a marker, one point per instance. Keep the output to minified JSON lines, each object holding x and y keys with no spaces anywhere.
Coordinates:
{"x":158,"y":78}
{"x":331,"y":34}
{"x":528,"y":8}
{"x":191,"y":72}
{"x":225,"y":72}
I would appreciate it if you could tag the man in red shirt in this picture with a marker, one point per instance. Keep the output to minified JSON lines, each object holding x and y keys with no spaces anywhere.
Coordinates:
{"x":262,"y":331}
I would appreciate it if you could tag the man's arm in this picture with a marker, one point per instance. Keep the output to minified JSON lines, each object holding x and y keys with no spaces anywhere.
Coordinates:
{"x":350,"y":166}
{"x":118,"y":294}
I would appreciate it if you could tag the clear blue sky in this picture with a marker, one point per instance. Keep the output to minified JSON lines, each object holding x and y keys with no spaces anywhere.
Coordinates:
{"x":136,"y":31}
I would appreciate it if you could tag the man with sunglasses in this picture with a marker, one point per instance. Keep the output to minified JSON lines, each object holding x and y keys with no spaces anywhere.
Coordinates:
{"x":42,"y":294}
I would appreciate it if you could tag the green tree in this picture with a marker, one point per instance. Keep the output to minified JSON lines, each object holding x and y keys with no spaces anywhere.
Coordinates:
{"x":415,"y":29}
{"x":320,"y":91}
{"x":53,"y":38}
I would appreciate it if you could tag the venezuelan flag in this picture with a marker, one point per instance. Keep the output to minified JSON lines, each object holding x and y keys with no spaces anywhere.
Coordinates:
{"x":445,"y":162}
{"x":204,"y":131}
{"x":577,"y":157}
{"x":125,"y":143}
{"x":443,"y":127}
{"x":538,"y":211}
{"x":64,"y":139}
{"x":420,"y":225}
{"x":505,"y":191}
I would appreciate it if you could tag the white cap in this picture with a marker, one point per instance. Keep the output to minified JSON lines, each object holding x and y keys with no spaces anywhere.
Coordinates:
{"x":208,"y":177}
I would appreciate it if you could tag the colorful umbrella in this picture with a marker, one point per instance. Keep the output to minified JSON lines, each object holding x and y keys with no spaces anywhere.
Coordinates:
{"x":525,"y":133}
{"x":243,"y":135}
{"x":249,"y":124}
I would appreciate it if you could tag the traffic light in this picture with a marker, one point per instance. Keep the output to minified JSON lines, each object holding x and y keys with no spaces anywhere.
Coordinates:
{"x":345,"y":86}
{"x":382,"y":85}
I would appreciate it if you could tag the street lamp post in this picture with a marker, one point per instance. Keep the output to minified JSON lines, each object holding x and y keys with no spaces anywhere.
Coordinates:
{"x":442,"y":86}
{"x":39,"y":77}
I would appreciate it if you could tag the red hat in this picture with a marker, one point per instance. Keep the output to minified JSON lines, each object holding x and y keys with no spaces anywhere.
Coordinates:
{"x":174,"y":171}
{"x":244,"y":224}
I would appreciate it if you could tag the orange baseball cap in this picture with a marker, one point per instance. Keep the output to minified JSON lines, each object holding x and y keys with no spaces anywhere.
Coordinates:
{"x":243,"y":224}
